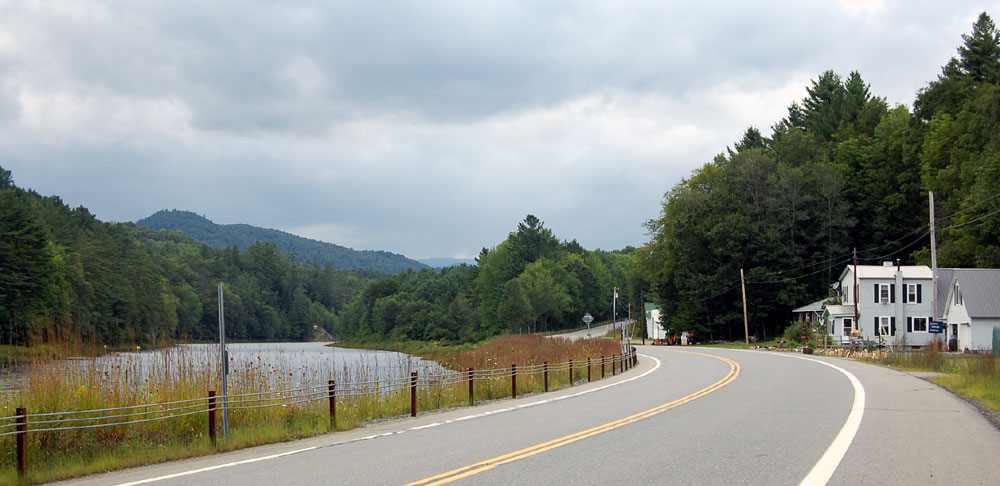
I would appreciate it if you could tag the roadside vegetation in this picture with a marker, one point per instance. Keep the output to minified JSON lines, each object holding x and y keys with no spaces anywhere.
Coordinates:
{"x":975,"y":376}
{"x":64,"y":385}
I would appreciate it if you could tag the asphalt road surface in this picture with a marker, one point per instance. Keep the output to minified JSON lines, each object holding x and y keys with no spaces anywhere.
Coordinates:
{"x":683,"y":416}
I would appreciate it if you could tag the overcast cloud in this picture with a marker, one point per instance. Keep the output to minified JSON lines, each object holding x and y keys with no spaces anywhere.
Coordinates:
{"x":425,"y":128}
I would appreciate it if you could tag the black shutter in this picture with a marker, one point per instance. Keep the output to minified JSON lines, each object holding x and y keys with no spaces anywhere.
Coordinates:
{"x":904,"y":294}
{"x":876,"y":293}
{"x":909,"y":324}
{"x":877,"y":330}
{"x":919,"y":288}
{"x":892,"y":328}
{"x":892,"y":293}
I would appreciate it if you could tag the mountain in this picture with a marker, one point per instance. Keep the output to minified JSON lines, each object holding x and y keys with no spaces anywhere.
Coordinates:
{"x":244,"y":235}
{"x":444,"y":262}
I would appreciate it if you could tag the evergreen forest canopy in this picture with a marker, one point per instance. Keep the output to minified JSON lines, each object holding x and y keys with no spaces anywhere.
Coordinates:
{"x":68,"y":277}
{"x":306,"y":250}
{"x":842,"y":171}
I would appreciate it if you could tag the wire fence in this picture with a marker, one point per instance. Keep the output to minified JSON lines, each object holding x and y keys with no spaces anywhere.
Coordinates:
{"x":23,"y":423}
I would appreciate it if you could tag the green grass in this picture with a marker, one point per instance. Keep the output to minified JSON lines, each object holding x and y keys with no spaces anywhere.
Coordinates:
{"x":976,"y":377}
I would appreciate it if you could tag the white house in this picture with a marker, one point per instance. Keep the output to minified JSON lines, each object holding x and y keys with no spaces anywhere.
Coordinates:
{"x":893,"y":302}
{"x":972,"y":306}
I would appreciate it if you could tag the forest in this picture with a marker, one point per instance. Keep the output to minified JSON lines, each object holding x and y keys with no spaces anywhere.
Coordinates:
{"x":70,"y":278}
{"x":531,"y":282}
{"x":843,"y":171}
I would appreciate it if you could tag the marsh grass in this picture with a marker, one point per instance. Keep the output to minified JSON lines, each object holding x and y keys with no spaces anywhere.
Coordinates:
{"x":181,"y":373}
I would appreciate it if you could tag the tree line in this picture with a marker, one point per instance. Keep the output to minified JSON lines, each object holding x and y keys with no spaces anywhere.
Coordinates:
{"x":530,"y":282}
{"x":842,"y":171}
{"x":69,"y":277}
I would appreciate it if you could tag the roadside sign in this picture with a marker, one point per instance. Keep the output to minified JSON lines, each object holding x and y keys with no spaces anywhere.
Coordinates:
{"x":935,"y":327}
{"x":587,"y":318}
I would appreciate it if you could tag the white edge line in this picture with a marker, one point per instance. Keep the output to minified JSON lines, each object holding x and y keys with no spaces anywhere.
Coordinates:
{"x":828,"y":463}
{"x":370,"y":437}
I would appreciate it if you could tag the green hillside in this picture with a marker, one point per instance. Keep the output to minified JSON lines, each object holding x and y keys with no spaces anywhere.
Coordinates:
{"x":243,"y":236}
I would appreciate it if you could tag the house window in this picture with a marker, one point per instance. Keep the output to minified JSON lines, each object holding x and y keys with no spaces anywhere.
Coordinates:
{"x":913,"y":294}
{"x":884,"y":325}
{"x":848,"y":326}
{"x":958,"y":296}
{"x":916,"y":324}
{"x":883,"y":296}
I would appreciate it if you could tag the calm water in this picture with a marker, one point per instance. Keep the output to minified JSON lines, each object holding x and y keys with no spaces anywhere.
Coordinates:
{"x":283,"y":365}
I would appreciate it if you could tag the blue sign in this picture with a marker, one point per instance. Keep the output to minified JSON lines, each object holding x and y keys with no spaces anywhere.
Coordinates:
{"x":935,"y":327}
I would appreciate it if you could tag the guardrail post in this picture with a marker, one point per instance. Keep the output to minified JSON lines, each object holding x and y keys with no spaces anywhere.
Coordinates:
{"x":22,"y":441}
{"x":602,"y":367}
{"x":413,"y":394}
{"x":211,"y":416}
{"x":635,"y":359}
{"x":570,"y":372}
{"x":614,"y":364}
{"x":513,"y":381}
{"x":472,"y":394}
{"x":333,"y":404}
{"x":621,"y":364}
{"x":589,"y":379}
{"x":546,"y":375}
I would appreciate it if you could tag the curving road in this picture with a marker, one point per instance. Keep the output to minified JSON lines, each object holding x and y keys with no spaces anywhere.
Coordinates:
{"x":683,"y":416}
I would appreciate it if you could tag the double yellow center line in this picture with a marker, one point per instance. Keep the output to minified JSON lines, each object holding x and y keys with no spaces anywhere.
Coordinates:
{"x":473,"y":469}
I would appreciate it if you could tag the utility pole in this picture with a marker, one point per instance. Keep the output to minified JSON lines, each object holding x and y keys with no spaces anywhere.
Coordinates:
{"x":854,"y":291}
{"x":933,"y":261}
{"x":746,"y":322}
{"x":223,"y":365}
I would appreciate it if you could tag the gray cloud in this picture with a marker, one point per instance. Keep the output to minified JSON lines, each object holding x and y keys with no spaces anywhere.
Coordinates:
{"x":428,"y":128}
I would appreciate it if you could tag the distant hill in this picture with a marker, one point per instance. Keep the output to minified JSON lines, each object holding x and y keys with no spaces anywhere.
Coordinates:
{"x":443,"y":262}
{"x":244,"y":235}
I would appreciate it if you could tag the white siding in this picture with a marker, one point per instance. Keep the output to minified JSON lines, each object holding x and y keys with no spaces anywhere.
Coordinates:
{"x":982,"y":334}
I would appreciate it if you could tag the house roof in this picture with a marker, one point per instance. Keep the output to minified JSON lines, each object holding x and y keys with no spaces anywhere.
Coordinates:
{"x":888,"y":272}
{"x":839,"y":310}
{"x":814,"y":307}
{"x":944,"y":284}
{"x":980,"y":289}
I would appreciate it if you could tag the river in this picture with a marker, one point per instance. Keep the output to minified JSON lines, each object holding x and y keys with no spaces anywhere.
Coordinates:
{"x":279,"y":365}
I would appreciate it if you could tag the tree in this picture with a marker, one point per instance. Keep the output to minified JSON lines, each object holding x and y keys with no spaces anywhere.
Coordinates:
{"x":24,"y":259}
{"x":6,"y":180}
{"x":979,"y":56}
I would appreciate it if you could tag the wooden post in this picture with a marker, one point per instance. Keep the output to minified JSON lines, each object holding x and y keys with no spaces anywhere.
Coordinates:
{"x":589,"y":379}
{"x":413,"y":394}
{"x":614,"y":364}
{"x":746,"y":322}
{"x":472,"y":392}
{"x":211,"y":416}
{"x":513,"y":381}
{"x":545,"y":374}
{"x":333,"y":404}
{"x":602,"y":367}
{"x":22,"y":441}
{"x":570,"y":372}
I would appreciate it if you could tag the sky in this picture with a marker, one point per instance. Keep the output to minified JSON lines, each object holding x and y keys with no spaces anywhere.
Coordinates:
{"x":427,"y":128}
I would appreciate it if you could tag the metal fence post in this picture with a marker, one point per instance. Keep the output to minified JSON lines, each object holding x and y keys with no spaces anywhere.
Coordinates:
{"x":413,"y":394}
{"x":22,"y":442}
{"x":333,"y":404}
{"x":546,"y":376}
{"x":472,"y":395}
{"x":513,"y":381}
{"x":211,"y":416}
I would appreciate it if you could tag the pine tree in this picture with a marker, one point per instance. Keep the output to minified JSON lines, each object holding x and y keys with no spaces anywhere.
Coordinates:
{"x":980,"y":55}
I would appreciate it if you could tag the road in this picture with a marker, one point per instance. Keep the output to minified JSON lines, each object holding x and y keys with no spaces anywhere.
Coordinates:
{"x":683,"y":416}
